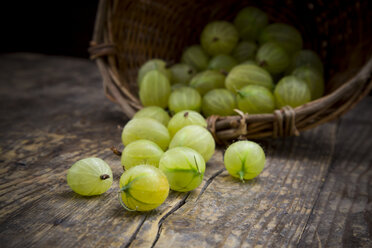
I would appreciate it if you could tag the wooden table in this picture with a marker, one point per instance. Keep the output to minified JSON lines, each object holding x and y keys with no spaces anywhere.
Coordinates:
{"x":315,"y":191}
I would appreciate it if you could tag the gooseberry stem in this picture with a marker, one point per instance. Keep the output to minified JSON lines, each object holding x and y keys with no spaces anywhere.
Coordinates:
{"x":115,"y":151}
{"x":123,"y":204}
{"x":197,"y":166}
{"x":104,"y":176}
{"x":241,"y":175}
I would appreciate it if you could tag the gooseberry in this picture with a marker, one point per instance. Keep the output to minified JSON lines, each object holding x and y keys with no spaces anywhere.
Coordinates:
{"x":153,"y":112}
{"x":219,"y":37}
{"x":182,"y":73}
{"x":185,"y":118}
{"x":222,"y":62}
{"x":291,"y":91}
{"x":245,"y":50}
{"x":184,"y":168}
{"x":196,"y":57}
{"x":219,"y":102}
{"x":308,"y":58}
{"x":312,"y":78}
{"x":247,"y":74}
{"x":195,"y":137}
{"x":184,"y":98}
{"x":143,"y":188}
{"x":146,"y":128}
{"x":249,"y":22}
{"x":285,"y":35}
{"x":244,"y":159}
{"x":89,"y":176}
{"x":272,"y":57}
{"x":255,"y":99}
{"x":141,"y":152}
{"x":154,"y":64}
{"x":207,"y":80}
{"x":155,"y":89}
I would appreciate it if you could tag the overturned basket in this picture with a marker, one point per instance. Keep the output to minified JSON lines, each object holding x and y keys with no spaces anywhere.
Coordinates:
{"x":128,"y":33}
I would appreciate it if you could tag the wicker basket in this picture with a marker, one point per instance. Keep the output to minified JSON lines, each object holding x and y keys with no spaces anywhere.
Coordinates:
{"x":128,"y":33}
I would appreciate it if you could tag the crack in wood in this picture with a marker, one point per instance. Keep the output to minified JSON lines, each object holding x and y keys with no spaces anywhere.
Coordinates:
{"x":134,"y":235}
{"x":174,"y":209}
{"x":322,"y":185}
{"x":209,"y":181}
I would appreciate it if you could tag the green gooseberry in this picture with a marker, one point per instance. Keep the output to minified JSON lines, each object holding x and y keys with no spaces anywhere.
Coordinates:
{"x":155,"y":89}
{"x":285,"y":35}
{"x":244,"y":159}
{"x":291,"y":91}
{"x":182,"y":73}
{"x":141,"y":152}
{"x":219,"y":37}
{"x":247,"y":74}
{"x":219,"y":102}
{"x":272,"y":57}
{"x":89,"y":176}
{"x":195,"y":137}
{"x":153,"y":64}
{"x":222,"y":62}
{"x":245,"y":50}
{"x":249,"y":22}
{"x":153,"y":112}
{"x":207,"y":80}
{"x":184,"y":168}
{"x":185,"y":118}
{"x":308,"y":58}
{"x":313,"y":79}
{"x":196,"y":57}
{"x":143,"y":188}
{"x":255,"y":99}
{"x":145,"y":128}
{"x":184,"y":98}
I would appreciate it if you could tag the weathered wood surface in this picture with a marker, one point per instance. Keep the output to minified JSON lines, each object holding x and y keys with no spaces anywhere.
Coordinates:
{"x":315,"y":190}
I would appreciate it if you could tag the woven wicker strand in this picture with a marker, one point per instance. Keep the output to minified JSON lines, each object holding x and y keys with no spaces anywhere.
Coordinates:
{"x":128,"y":33}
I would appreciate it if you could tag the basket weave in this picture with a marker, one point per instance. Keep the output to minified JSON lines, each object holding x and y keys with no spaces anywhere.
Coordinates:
{"x":128,"y":33}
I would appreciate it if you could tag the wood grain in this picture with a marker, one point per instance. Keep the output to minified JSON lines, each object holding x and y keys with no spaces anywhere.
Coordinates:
{"x":314,"y":191}
{"x":342,"y":215}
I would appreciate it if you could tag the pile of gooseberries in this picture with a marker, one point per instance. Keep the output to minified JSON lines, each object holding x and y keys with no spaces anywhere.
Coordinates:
{"x":250,"y":51}
{"x":250,"y":64}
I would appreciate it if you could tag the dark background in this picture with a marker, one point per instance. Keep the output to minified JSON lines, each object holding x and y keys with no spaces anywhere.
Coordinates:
{"x":48,"y":27}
